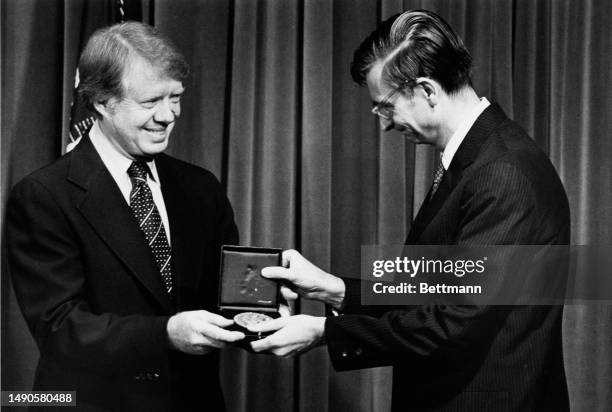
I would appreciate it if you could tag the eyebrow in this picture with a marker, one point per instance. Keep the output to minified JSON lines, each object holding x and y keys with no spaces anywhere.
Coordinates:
{"x":156,"y":96}
{"x":149,"y":97}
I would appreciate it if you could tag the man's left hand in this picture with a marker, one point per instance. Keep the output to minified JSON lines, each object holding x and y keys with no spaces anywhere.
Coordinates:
{"x":294,"y":335}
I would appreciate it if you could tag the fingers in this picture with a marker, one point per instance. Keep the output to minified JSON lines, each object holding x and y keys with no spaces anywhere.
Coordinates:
{"x":215,"y":333}
{"x":289,"y":255}
{"x":261,"y":345}
{"x":292,"y":336}
{"x":215,"y":319}
{"x":276,"y":272}
{"x":288,"y":294}
{"x":212,"y":327}
{"x":202,"y":343}
{"x":268,"y":326}
{"x":284,"y":310}
{"x":196,"y":332}
{"x":272,"y":344}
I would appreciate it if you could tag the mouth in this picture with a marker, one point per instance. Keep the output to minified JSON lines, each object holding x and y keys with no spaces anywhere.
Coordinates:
{"x":161,"y":133}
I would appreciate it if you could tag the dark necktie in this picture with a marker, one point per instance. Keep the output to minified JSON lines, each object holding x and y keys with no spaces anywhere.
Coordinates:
{"x":147,"y":215}
{"x":438,"y":175}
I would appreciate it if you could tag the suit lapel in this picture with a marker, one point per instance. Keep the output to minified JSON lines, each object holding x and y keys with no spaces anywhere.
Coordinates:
{"x":430,"y":208}
{"x":464,"y":157}
{"x":106,"y":210}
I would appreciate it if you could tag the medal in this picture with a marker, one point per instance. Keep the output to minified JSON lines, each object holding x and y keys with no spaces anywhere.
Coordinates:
{"x":247,"y":319}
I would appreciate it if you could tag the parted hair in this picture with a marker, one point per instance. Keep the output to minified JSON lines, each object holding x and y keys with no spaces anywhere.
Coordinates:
{"x":110,"y":50}
{"x":416,"y":43}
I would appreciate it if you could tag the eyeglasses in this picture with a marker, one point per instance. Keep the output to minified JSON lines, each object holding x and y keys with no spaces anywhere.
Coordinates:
{"x":384,"y":109}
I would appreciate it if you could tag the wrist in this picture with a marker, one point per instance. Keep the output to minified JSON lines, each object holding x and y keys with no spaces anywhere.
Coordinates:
{"x":334,"y":291}
{"x":316,"y":327}
{"x":170,"y":328}
{"x":321,"y":330}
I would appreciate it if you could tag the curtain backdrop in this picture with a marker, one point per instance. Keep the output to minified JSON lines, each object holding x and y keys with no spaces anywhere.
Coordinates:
{"x":270,"y":108}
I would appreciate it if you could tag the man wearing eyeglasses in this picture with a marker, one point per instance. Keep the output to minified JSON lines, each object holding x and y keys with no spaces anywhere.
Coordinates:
{"x":494,"y":187}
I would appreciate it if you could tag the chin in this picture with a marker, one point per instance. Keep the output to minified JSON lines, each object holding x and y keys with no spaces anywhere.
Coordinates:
{"x":153,"y":149}
{"x":417,"y":138}
{"x":413,"y":139}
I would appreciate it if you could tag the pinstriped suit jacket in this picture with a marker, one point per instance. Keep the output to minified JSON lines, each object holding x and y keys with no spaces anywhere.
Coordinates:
{"x":500,"y":189}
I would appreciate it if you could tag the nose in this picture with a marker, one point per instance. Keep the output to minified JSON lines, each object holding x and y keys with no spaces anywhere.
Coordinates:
{"x":385,"y":124}
{"x":167,"y":111}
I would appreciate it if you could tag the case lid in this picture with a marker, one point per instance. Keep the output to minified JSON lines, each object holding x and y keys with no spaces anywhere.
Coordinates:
{"x":241,"y":286}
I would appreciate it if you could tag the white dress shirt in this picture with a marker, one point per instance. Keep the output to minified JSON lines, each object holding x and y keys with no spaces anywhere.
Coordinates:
{"x":462,"y":131}
{"x":118,"y":164}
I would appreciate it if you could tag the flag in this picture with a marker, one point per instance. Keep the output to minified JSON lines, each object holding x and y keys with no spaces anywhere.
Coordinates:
{"x":95,"y":15}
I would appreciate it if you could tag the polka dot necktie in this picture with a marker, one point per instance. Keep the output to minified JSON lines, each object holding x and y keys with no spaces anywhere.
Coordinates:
{"x":143,"y":207}
{"x":438,"y":175}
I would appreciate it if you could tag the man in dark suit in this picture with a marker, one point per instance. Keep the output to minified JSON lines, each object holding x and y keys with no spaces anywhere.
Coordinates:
{"x":495,"y":187}
{"x":114,"y":248}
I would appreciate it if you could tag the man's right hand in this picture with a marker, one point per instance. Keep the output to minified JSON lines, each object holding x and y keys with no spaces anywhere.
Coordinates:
{"x":198,"y":332}
{"x":305,"y":279}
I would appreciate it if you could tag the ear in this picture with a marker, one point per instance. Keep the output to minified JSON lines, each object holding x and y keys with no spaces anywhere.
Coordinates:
{"x":431,"y":90}
{"x":103,"y":108}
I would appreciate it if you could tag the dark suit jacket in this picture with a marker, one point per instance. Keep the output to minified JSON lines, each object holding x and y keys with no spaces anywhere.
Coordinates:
{"x":500,"y":189}
{"x":92,"y":295}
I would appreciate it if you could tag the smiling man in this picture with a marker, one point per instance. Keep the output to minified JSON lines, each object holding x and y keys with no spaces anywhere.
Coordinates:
{"x":494,"y":186}
{"x":114,"y":248}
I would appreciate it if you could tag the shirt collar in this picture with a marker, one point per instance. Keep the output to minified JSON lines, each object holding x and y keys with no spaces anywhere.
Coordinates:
{"x":115,"y":161}
{"x":455,"y":141}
